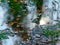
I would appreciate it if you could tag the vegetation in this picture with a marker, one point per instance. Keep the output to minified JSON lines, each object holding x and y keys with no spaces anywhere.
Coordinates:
{"x":18,"y":11}
{"x":52,"y":35}
{"x":3,"y":35}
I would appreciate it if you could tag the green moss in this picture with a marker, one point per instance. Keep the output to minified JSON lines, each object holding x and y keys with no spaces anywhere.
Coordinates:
{"x":3,"y":35}
{"x":54,"y":33}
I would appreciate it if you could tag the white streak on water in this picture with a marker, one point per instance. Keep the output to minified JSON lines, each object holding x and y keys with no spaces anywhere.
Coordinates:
{"x":3,"y":25}
{"x":51,"y":9}
{"x":31,"y":14}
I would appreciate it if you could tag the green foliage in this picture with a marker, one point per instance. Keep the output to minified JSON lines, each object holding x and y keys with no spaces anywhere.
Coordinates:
{"x":2,"y":0}
{"x":19,"y":11}
{"x":17,"y":8}
{"x":51,"y":35}
{"x":3,"y":35}
{"x":54,"y":33}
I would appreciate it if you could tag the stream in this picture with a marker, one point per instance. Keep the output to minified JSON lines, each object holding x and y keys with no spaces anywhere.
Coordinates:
{"x":51,"y":9}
